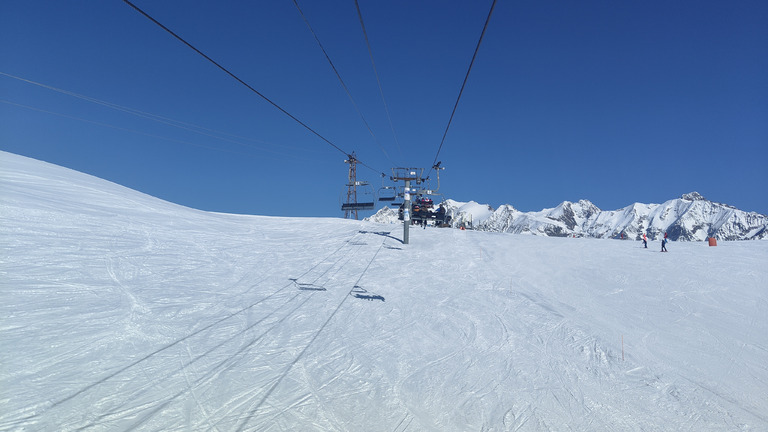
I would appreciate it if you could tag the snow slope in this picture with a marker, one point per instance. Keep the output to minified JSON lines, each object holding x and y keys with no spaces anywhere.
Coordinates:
{"x":123,"y":312}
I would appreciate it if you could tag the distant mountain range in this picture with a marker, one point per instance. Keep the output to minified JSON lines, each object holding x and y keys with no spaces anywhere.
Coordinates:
{"x":688,"y":218}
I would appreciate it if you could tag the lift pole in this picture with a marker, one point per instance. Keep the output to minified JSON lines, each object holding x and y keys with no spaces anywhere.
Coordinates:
{"x":406,"y":210}
{"x":407,"y":175}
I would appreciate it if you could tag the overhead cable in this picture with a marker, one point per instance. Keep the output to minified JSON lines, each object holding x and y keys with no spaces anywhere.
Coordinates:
{"x":120,"y":128}
{"x":466,"y":77}
{"x":249,"y":87}
{"x":223,"y":136}
{"x":375,"y":71}
{"x":346,"y":89}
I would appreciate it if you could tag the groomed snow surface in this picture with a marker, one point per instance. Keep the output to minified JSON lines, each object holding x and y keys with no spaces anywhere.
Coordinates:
{"x":124,"y":312}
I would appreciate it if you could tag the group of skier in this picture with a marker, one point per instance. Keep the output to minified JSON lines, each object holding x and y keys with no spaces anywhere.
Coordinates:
{"x":663,"y":242}
{"x":422,"y":212}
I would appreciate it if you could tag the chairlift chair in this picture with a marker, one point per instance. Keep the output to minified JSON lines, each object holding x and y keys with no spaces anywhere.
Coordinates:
{"x":357,"y":206}
{"x":387,"y":193}
{"x":399,"y":196}
{"x":364,"y":197}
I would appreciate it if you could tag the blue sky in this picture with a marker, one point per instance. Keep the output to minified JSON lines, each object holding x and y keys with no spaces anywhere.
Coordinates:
{"x":615,"y":102}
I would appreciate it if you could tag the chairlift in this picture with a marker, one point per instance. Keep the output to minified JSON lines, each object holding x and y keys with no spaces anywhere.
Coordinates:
{"x":438,"y":198}
{"x":357,"y":206}
{"x":387,"y":193}
{"x":356,"y":196}
{"x":397,"y":196}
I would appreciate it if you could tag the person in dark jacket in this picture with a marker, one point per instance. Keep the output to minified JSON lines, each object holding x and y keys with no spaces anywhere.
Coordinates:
{"x":664,"y":244}
{"x":440,"y":216}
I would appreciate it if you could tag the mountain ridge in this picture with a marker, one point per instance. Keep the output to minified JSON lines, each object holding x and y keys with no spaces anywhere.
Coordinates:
{"x":691,"y":217}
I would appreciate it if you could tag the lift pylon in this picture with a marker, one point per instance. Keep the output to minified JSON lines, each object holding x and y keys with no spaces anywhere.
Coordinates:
{"x":354,"y":187}
{"x":415,"y":183}
{"x":407,"y":175}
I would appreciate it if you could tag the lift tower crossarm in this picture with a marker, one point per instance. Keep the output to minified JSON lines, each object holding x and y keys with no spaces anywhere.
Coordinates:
{"x":407,"y":175}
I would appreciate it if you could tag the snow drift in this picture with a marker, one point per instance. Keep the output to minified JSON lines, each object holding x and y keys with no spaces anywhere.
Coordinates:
{"x":123,"y":312}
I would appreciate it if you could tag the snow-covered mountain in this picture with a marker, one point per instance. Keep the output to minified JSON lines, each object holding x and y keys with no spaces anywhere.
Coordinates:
{"x":690,"y":217}
{"x":120,"y":311}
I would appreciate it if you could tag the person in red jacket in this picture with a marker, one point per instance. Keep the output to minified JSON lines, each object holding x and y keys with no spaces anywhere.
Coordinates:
{"x":645,"y":241}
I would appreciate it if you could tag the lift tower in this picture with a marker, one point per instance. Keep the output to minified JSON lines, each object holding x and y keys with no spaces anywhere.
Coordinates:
{"x":414,"y":180}
{"x":351,"y":206}
{"x":407,"y":175}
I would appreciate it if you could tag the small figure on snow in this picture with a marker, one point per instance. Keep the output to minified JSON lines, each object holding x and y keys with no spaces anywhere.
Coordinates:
{"x":664,"y":244}
{"x":645,"y":241}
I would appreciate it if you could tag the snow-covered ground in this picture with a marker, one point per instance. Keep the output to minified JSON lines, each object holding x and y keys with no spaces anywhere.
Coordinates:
{"x":123,"y":312}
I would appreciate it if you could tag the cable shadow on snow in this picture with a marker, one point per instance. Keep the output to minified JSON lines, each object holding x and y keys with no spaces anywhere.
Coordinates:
{"x":307,"y":286}
{"x":363,"y":294}
{"x":383,"y":234}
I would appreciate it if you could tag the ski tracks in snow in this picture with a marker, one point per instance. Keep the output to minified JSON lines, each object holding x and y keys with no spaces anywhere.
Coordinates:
{"x":256,"y":351}
{"x":255,"y":408}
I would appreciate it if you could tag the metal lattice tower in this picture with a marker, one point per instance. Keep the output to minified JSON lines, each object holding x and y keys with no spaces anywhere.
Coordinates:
{"x":351,"y":208}
{"x":355,"y":187}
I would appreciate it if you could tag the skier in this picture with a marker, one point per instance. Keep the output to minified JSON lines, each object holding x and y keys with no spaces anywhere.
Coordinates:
{"x":645,"y":241}
{"x":664,"y":244}
{"x":440,"y":216}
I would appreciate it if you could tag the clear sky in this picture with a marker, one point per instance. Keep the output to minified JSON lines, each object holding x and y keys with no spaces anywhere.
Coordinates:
{"x":615,"y":102}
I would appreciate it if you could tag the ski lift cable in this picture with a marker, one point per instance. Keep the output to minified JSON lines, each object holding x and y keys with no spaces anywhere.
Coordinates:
{"x":249,"y":87}
{"x":466,"y":77}
{"x":279,"y":156}
{"x":223,"y":136}
{"x":344,"y":85}
{"x":378,"y":80}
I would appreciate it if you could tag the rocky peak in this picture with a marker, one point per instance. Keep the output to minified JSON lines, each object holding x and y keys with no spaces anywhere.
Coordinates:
{"x":693,"y":196}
